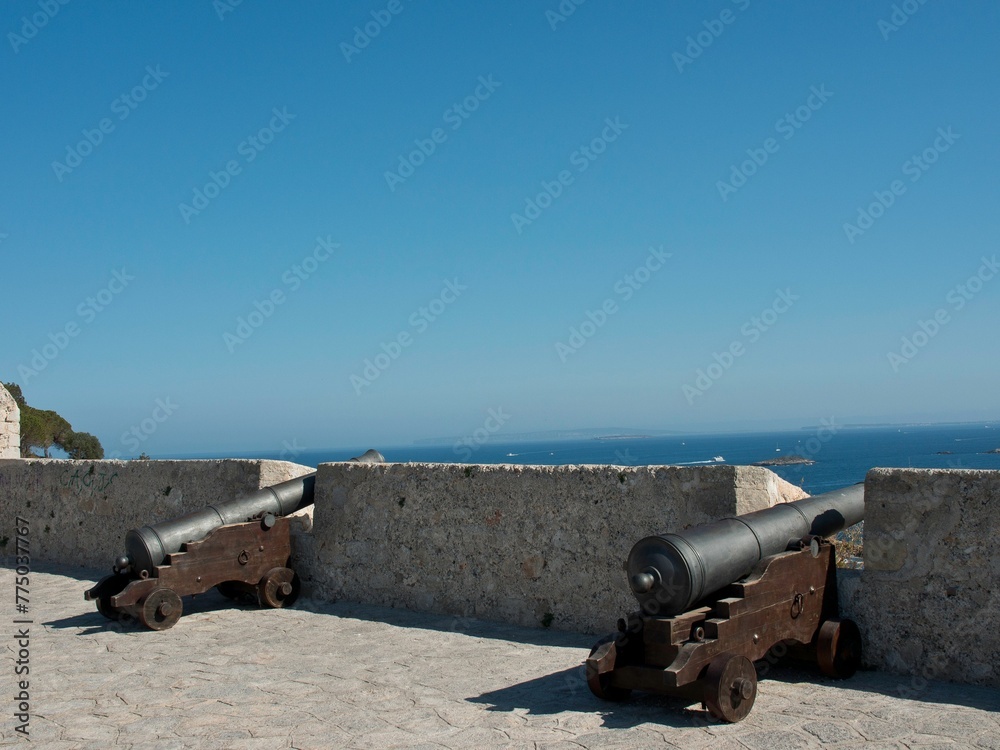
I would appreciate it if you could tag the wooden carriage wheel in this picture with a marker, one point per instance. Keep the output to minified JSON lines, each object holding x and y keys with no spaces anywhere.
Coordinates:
{"x":278,"y":588}
{"x":161,"y":609}
{"x":730,"y":687}
{"x":838,"y":648}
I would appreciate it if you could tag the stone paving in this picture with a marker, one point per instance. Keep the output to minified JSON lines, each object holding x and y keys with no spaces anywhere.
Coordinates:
{"x":349,"y":676}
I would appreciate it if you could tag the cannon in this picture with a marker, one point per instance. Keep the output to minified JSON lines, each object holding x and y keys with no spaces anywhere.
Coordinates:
{"x":718,"y":597}
{"x":240,"y":546}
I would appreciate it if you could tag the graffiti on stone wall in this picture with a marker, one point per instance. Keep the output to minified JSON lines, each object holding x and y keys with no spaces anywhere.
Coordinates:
{"x":91,"y":481}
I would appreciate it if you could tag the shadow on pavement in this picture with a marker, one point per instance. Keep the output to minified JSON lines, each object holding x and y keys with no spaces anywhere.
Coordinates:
{"x":469,"y":626}
{"x":212,"y":600}
{"x":902,"y":687}
{"x":91,"y":621}
{"x":78,"y":573}
{"x":567,"y":691}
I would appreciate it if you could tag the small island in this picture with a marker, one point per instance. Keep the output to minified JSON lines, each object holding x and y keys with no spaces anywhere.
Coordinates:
{"x":995,"y":450}
{"x":785,"y":461}
{"x":945,"y":453}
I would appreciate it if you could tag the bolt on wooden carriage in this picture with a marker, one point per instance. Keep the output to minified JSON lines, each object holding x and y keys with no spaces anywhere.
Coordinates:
{"x":718,"y":597}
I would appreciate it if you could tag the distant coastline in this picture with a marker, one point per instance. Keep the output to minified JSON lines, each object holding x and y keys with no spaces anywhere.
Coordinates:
{"x":549,"y":436}
{"x":633,"y":433}
{"x":623,"y":437}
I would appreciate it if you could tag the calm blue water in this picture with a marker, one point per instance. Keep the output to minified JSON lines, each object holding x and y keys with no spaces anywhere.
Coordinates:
{"x":841,"y":459}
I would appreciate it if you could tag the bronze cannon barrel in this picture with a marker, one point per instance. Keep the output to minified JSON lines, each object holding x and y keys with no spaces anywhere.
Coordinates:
{"x":669,"y":573}
{"x":148,"y":546}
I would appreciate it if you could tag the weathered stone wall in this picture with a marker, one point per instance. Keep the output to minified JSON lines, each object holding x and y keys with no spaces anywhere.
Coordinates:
{"x":79,"y":511}
{"x":521,"y":544}
{"x":10,"y":426}
{"x":540,"y":544}
{"x":928,"y":602}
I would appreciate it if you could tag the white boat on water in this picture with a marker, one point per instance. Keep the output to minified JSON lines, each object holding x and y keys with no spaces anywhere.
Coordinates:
{"x":718,"y":458}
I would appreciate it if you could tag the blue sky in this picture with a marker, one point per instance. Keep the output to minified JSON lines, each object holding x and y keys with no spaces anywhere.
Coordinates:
{"x":451,"y":197}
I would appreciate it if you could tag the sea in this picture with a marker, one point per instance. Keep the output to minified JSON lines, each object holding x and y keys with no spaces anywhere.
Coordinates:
{"x":842,"y":454}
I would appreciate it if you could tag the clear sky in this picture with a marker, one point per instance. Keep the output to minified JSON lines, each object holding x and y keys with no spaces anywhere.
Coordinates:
{"x":744,"y":210}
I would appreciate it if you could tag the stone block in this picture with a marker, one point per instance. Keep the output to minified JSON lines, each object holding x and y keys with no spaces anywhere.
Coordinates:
{"x":929,"y":600}
{"x":10,"y":426}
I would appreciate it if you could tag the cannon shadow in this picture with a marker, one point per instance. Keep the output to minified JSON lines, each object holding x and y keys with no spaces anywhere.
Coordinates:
{"x":567,"y":690}
{"x":91,"y":621}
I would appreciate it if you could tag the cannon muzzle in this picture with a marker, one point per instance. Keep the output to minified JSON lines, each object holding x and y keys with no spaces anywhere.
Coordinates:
{"x":669,"y":573}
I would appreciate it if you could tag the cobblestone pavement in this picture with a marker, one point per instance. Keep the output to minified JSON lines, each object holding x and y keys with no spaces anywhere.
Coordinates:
{"x":341,"y":675}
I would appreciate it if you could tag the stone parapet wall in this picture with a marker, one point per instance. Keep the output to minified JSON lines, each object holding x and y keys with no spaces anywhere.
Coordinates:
{"x":10,"y":426}
{"x":79,"y":511}
{"x":545,"y":545}
{"x":928,"y":601}
{"x":530,"y":545}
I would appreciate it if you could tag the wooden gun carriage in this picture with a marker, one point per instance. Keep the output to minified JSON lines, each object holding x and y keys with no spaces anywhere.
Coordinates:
{"x":697,"y":636}
{"x":242,"y":547}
